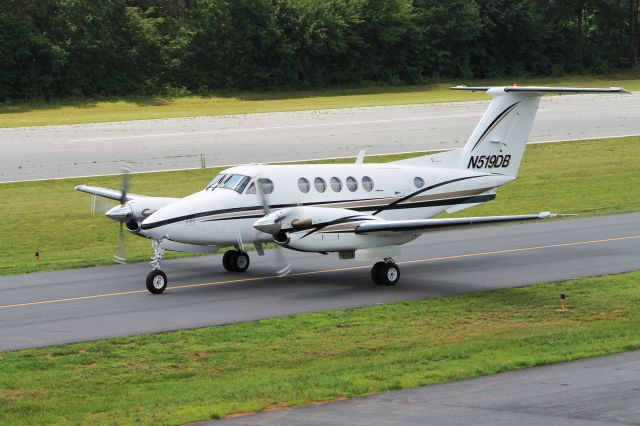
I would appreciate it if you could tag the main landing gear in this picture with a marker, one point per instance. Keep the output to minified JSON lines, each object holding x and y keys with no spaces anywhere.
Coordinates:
{"x":385,"y":273}
{"x":235,"y":261}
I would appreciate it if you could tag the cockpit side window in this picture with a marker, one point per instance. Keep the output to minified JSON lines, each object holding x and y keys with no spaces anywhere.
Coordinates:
{"x":216,"y":181}
{"x":251,"y":189}
{"x":235,"y":182}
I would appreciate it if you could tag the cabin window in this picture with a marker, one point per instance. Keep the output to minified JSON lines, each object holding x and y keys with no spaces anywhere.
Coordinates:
{"x":304,"y":185}
{"x":235,"y":182}
{"x":216,"y":181}
{"x":320,"y":184}
{"x":266,"y":185}
{"x":367,"y":183}
{"x":352,"y":184}
{"x":336,"y":184}
{"x":418,"y":182}
{"x":251,"y":189}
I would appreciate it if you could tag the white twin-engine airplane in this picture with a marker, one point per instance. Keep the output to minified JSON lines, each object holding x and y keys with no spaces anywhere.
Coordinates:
{"x":361,"y":211}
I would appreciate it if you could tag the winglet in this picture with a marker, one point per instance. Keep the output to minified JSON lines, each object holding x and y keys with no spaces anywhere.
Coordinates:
{"x":360,"y":159}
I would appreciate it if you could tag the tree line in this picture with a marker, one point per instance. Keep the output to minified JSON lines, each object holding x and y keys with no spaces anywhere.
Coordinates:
{"x":90,"y":48}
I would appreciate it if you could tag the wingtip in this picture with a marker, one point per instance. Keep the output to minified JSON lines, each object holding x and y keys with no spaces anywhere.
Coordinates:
{"x":549,"y":215}
{"x":621,"y":90}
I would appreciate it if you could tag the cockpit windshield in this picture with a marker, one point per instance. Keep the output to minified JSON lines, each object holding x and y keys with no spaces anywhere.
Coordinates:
{"x":235,"y":182}
{"x":216,"y":181}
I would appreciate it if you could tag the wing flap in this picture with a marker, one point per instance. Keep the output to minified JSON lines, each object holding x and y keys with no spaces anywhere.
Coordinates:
{"x":426,"y":225}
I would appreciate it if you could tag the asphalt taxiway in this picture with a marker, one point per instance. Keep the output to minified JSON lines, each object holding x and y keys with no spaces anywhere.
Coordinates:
{"x":51,"y":308}
{"x":151,"y":145}
{"x":599,"y":391}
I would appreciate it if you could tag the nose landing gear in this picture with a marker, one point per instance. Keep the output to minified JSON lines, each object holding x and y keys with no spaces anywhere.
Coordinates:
{"x":156,"y":279}
{"x":385,"y":273}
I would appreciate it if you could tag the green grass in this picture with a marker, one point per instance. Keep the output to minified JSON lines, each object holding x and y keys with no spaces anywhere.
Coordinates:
{"x":208,"y":373}
{"x":588,"y":177}
{"x":86,"y":111}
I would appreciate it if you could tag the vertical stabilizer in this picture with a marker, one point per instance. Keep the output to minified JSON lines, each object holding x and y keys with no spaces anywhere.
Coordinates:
{"x":497,"y":144}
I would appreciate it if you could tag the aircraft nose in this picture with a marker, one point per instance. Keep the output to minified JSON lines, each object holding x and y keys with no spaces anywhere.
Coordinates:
{"x":154,"y":227}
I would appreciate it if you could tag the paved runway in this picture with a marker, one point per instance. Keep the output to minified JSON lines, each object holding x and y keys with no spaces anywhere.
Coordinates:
{"x":86,"y":304}
{"x":599,"y":391}
{"x":91,"y":149}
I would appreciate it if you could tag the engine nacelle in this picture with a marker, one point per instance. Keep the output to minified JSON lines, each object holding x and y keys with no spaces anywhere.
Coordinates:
{"x":137,"y":210}
{"x":323,"y":229}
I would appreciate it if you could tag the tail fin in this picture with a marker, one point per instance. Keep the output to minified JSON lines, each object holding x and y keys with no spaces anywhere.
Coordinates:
{"x":498,"y":141}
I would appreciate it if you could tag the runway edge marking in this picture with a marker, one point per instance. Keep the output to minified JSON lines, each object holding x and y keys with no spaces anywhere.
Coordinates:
{"x":307,"y":159}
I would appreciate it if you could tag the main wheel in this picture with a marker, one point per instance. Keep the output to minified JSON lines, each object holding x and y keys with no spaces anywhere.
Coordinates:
{"x":389,"y":274}
{"x":240,"y":261}
{"x":156,"y":281}
{"x":226,"y":260}
{"x":375,"y":273}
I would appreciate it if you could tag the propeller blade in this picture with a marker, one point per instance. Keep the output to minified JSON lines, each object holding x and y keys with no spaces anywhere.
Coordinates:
{"x":99,"y":205}
{"x":284,"y":267}
{"x":119,"y":255}
{"x":281,"y":260}
{"x":124,"y":183}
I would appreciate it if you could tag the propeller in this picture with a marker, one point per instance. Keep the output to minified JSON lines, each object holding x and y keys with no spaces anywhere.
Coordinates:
{"x":281,"y":260}
{"x":100,"y":206}
{"x":119,"y":255}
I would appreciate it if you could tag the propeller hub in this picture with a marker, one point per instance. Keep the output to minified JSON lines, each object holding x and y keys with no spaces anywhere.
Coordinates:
{"x":120,"y":213}
{"x":270,"y":224}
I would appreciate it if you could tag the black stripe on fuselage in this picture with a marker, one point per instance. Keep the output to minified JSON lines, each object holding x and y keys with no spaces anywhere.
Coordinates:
{"x":378,"y":208}
{"x":258,"y":209}
{"x":393,"y":205}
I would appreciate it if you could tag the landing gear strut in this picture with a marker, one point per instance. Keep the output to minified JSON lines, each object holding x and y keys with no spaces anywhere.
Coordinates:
{"x":385,"y":273}
{"x":156,"y":279}
{"x":235,"y":261}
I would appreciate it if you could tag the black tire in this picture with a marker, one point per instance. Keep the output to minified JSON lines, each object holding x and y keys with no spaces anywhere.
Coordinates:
{"x":375,"y":273}
{"x":156,"y":281}
{"x":227,"y":260}
{"x":389,"y":274}
{"x":240,"y":261}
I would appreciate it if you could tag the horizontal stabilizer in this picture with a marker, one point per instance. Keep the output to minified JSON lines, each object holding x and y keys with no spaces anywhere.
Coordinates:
{"x":426,"y":225}
{"x":543,"y":89}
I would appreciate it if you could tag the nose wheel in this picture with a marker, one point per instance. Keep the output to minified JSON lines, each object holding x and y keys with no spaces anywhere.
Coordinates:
{"x":156,"y":281}
{"x":385,"y":273}
{"x":235,"y":261}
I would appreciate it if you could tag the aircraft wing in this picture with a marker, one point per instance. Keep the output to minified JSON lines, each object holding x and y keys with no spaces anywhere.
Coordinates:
{"x":426,"y":225}
{"x":113,"y":194}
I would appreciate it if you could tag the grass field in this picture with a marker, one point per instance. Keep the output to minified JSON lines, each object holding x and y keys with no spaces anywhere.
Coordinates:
{"x":208,"y":373}
{"x":86,"y":111}
{"x":587,"y":178}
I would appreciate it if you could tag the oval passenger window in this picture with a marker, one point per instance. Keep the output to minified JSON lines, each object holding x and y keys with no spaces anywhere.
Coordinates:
{"x":303,"y":185}
{"x":367,"y":183}
{"x":266,"y":185}
{"x":319,"y":184}
{"x":336,"y":184}
{"x":352,"y":184}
